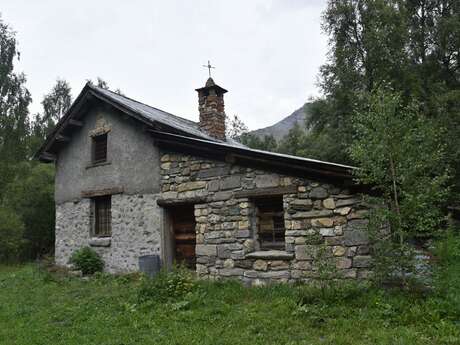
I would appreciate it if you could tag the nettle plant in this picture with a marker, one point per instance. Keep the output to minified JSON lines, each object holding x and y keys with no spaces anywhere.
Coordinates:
{"x":402,"y":154}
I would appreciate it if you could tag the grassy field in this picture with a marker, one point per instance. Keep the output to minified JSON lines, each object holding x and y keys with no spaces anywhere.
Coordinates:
{"x":39,"y":308}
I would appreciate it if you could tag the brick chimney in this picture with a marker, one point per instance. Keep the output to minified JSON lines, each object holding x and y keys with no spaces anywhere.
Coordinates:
{"x":211,"y":108}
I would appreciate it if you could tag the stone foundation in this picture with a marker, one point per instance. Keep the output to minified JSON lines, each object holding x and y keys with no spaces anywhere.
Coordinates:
{"x":136,"y":231}
{"x":317,"y":215}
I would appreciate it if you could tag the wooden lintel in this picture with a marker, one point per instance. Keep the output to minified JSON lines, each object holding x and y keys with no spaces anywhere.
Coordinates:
{"x":62,"y":138}
{"x":264,"y":192}
{"x":75,"y":123}
{"x":101,"y":192}
{"x":180,"y":202}
{"x":47,"y":157}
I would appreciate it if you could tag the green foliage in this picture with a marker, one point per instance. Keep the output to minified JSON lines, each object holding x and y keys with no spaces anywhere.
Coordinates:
{"x":268,"y":143}
{"x":402,"y":155}
{"x":11,"y":241}
{"x":57,"y":101}
{"x":31,"y":195}
{"x":14,"y":102}
{"x":235,"y":127}
{"x":87,"y":260}
{"x":410,"y":45}
{"x":167,"y":286}
{"x":293,"y":142}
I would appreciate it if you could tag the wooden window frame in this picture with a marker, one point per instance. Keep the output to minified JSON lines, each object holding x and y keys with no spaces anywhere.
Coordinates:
{"x":99,"y":148}
{"x":101,"y":216}
{"x":271,"y":209}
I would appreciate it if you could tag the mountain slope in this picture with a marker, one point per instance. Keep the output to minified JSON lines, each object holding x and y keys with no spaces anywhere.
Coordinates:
{"x":281,"y":128}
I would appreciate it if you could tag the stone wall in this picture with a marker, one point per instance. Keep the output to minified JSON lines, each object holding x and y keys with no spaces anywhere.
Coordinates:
{"x":136,"y":231}
{"x":317,"y":215}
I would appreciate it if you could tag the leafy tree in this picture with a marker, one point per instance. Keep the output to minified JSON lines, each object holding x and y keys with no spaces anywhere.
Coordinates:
{"x":411,"y":45}
{"x":57,"y":101}
{"x":267,"y":143}
{"x":103,"y":85}
{"x":55,"y":104}
{"x":14,"y":102}
{"x":235,"y":127}
{"x":31,"y":195}
{"x":11,"y":240}
{"x":293,"y":142}
{"x":402,"y":154}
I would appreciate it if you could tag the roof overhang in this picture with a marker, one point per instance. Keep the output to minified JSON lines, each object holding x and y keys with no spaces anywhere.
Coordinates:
{"x":72,"y":119}
{"x":292,"y":165}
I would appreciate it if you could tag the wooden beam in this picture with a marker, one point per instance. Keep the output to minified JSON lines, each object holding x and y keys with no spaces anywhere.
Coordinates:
{"x":47,"y":157}
{"x":75,"y":123}
{"x":264,"y":192}
{"x":181,"y":202}
{"x":62,"y":138}
{"x":101,"y":192}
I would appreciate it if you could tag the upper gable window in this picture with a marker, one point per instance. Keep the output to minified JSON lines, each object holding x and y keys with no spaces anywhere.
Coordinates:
{"x":100,"y":148}
{"x":270,"y":217}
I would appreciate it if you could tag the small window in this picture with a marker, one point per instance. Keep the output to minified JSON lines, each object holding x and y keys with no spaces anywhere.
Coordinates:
{"x":270,"y":216}
{"x":102,"y":216}
{"x":100,"y":148}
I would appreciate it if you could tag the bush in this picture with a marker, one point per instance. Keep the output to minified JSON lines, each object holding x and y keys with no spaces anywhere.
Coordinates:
{"x":167,"y":286}
{"x":11,"y":230}
{"x":87,"y":260}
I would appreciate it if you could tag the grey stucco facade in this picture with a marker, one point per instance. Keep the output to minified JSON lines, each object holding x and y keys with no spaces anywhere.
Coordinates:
{"x":132,"y":169}
{"x":132,"y":159}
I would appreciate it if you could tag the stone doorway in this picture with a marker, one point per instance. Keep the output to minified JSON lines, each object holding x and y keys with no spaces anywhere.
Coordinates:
{"x":184,"y":235}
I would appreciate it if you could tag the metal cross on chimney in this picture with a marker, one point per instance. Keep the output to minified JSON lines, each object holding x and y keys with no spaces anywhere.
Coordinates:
{"x":208,"y":66}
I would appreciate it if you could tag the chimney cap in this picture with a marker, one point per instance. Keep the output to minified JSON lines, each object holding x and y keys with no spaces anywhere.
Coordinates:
{"x":210,"y":84}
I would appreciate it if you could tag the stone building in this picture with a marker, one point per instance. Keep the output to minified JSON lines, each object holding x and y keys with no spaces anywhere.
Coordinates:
{"x":132,"y":180}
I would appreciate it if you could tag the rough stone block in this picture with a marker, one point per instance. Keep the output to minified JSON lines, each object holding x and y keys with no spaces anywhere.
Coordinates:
{"x":339,"y":250}
{"x":260,"y":265}
{"x":318,"y":193}
{"x":213,"y":172}
{"x":346,"y":202}
{"x":305,"y":252}
{"x":270,"y":254}
{"x":327,"y":232}
{"x":230,"y":182}
{"x":329,"y":203}
{"x":187,"y":186}
{"x":323,"y":222}
{"x":222,"y":196}
{"x":362,"y":261}
{"x":231,"y":272}
{"x":301,"y":204}
{"x":312,"y":214}
{"x":213,"y":186}
{"x":355,"y":237}
{"x":275,"y":275}
{"x":264,"y":181}
{"x":206,"y":249}
{"x":343,"y":263}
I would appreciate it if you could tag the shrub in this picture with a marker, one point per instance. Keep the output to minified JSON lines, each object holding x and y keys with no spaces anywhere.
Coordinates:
{"x":87,"y":260}
{"x":11,"y":230}
{"x":167,"y":286}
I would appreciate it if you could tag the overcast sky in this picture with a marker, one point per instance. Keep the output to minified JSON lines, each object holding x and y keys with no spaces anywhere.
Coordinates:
{"x":267,"y":53}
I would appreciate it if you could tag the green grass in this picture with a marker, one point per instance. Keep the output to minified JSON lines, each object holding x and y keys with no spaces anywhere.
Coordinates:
{"x":36,"y":308}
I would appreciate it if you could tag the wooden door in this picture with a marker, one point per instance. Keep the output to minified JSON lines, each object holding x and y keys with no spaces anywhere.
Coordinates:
{"x":183,"y":223}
